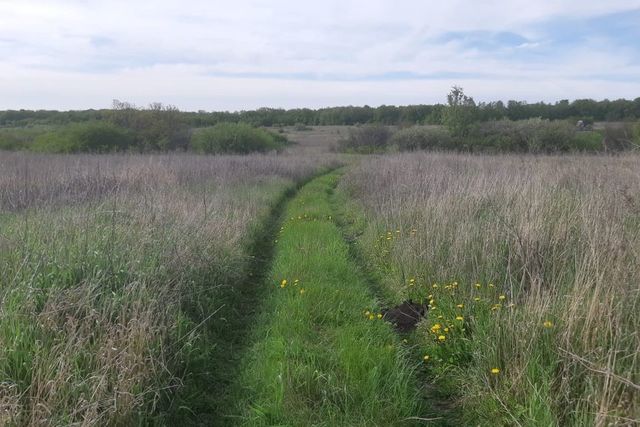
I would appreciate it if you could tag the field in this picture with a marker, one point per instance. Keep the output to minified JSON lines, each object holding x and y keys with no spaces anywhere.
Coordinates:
{"x":186,"y":289}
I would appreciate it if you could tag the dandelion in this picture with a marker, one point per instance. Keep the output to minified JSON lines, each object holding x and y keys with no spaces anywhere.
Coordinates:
{"x":426,"y":358}
{"x":548,"y":324}
{"x":496,"y":307}
{"x":495,"y":371}
{"x":430,"y":296}
{"x":432,"y":301}
{"x":476,"y":299}
{"x":460,"y":318}
{"x":460,"y":305}
{"x":446,"y":329}
{"x":478,"y":285}
{"x":302,"y":291}
{"x":379,"y":316}
{"x":441,"y":337}
{"x":435,"y":286}
{"x":295,"y":281}
{"x":367,"y":313}
{"x":436,"y":327}
{"x":371,"y":317}
{"x":491,"y":285}
{"x":283,"y":283}
{"x":502,"y":297}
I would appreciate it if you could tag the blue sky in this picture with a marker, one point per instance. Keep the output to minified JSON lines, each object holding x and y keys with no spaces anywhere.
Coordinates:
{"x":215,"y":55}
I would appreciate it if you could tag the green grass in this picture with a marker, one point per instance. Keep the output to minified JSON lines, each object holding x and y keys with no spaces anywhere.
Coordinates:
{"x":317,"y":358}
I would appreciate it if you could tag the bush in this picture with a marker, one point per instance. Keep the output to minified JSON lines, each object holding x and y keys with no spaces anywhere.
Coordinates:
{"x":239,"y":138}
{"x":366,"y":139}
{"x":92,"y":137}
{"x":422,"y":138}
{"x":531,"y":135}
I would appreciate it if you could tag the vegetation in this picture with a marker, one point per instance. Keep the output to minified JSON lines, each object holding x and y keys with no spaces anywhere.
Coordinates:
{"x":365,"y":139}
{"x":88,"y":137}
{"x":116,"y":277}
{"x":322,"y":356}
{"x":238,"y":138}
{"x":530,"y":270}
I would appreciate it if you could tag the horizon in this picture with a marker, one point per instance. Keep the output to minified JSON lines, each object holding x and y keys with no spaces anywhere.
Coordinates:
{"x":79,"y":55}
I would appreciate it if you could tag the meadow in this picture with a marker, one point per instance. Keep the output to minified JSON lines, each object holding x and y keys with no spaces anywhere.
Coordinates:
{"x":190,"y":289}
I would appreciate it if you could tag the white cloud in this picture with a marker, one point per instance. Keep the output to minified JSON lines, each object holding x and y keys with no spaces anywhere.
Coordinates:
{"x":79,"y":54}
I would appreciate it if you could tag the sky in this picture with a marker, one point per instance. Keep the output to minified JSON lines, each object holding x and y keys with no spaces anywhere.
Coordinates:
{"x":246,"y":54}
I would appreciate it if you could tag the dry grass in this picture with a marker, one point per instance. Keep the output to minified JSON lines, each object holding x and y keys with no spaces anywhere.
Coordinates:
{"x":559,"y":236}
{"x":109,"y":267}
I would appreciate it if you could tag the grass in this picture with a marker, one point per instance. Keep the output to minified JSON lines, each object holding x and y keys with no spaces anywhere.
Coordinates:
{"x":114,"y":270}
{"x":537,"y":256}
{"x":321,"y":355}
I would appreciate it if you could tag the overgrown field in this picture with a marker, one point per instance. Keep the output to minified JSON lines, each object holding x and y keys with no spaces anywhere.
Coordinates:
{"x":116,"y":276}
{"x":531,"y":267}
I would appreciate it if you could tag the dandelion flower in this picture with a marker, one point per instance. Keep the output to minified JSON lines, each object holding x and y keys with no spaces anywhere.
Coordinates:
{"x":441,"y":337}
{"x":446,"y":329}
{"x":495,"y":371}
{"x":459,"y":318}
{"x":460,"y":305}
{"x":371,"y":317}
{"x":491,"y":285}
{"x":302,"y":291}
{"x":283,"y":283}
{"x":379,"y":316}
{"x":502,"y":297}
{"x":548,"y":324}
{"x":295,"y":281}
{"x":478,"y":285}
{"x":426,"y":357}
{"x":476,"y":299}
{"x":367,"y":313}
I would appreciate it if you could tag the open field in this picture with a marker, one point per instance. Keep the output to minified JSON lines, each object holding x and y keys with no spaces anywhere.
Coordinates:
{"x":182,"y":289}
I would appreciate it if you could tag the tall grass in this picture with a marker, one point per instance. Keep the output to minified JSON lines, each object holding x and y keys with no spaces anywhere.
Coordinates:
{"x":110,"y":267}
{"x":553,"y":244}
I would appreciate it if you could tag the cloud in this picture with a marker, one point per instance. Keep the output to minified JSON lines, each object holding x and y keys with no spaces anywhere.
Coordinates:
{"x":55,"y":51}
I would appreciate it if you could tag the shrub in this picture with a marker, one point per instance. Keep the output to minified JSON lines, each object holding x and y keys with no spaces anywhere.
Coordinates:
{"x":92,"y":137}
{"x":422,"y":138}
{"x":531,"y":135}
{"x":366,"y":139}
{"x":240,"y":138}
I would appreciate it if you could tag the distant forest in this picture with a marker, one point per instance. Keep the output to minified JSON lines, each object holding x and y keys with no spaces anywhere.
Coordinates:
{"x":583,"y":109}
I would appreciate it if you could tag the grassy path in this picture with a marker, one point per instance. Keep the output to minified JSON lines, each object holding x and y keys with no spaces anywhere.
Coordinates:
{"x":316,"y":358}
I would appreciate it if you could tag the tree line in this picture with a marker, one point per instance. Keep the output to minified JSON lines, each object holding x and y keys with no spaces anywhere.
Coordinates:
{"x":587,"y":110}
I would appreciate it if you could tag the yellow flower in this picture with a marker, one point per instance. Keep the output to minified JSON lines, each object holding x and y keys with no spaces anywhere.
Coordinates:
{"x":446,"y":329}
{"x":371,"y":317}
{"x":548,"y":324}
{"x":426,"y":357}
{"x":491,"y":285}
{"x":436,"y":327}
{"x":435,"y":286}
{"x":459,"y":318}
{"x":379,"y":316}
{"x":430,"y":296}
{"x":460,"y":305}
{"x":496,"y":307}
{"x":478,"y":285}
{"x":502,"y":297}
{"x":283,"y":283}
{"x":441,"y":338}
{"x":495,"y":371}
{"x":412,"y":280}
{"x":476,"y":299}
{"x":440,"y":316}
{"x":432,"y":301}
{"x":366,"y":313}
{"x":295,"y":281}
{"x":302,"y":291}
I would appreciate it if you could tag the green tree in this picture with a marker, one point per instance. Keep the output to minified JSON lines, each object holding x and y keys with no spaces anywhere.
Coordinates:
{"x":460,"y":113}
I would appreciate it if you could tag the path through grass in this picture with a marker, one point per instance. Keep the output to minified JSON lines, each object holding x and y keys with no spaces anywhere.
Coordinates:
{"x":317,"y":359}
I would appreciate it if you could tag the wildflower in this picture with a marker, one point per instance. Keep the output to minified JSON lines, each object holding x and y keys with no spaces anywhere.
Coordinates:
{"x":502,"y":297}
{"x":302,"y":291}
{"x":476,"y":299}
{"x":491,"y":285}
{"x":389,"y":238}
{"x":478,"y":285}
{"x":412,"y":280}
{"x":460,"y":305}
{"x":379,"y":316}
{"x":495,"y":371}
{"x":460,"y":318}
{"x":283,"y":283}
{"x":430,"y":296}
{"x":371,"y":317}
{"x":548,"y":324}
{"x":496,"y":307}
{"x":436,"y":327}
{"x":426,"y":357}
{"x":295,"y":281}
{"x":441,"y":337}
{"x":446,"y":329}
{"x":367,"y":313}
{"x":435,"y":286}
{"x":432,"y":301}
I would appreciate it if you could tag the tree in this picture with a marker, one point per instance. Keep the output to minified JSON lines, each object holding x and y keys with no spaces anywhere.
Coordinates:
{"x":460,"y":113}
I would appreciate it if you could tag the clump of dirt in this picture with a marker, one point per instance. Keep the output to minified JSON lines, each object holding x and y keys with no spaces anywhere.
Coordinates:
{"x":405,"y":316}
